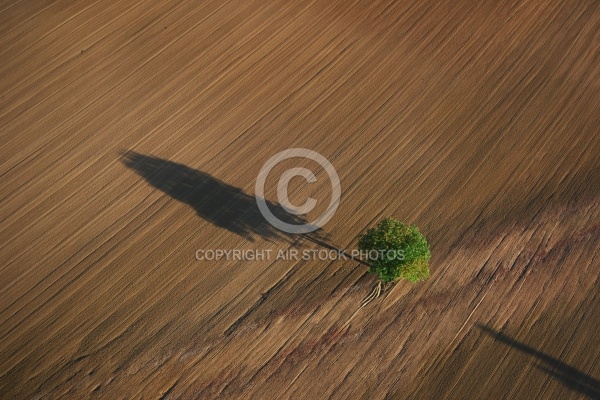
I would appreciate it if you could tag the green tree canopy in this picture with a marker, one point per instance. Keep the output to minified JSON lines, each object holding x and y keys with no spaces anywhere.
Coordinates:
{"x":401,"y":251}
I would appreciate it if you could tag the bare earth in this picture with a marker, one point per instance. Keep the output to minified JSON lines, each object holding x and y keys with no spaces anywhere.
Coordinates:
{"x":132,"y":134}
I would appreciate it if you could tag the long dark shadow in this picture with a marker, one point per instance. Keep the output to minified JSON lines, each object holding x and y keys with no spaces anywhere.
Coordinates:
{"x":223,"y":205}
{"x":570,"y":376}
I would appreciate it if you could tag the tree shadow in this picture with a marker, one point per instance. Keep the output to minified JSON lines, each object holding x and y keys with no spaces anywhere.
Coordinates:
{"x":568,"y":375}
{"x":223,"y":205}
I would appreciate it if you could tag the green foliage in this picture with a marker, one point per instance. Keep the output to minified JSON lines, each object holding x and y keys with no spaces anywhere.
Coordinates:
{"x":402,"y":251}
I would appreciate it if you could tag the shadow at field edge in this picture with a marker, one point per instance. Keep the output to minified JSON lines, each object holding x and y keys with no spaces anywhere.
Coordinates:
{"x":568,"y":375}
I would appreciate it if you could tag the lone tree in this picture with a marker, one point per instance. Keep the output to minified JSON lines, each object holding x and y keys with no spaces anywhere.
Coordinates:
{"x":395,"y":251}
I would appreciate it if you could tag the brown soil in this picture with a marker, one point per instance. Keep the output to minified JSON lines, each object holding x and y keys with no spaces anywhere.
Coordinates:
{"x":132,"y":134}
